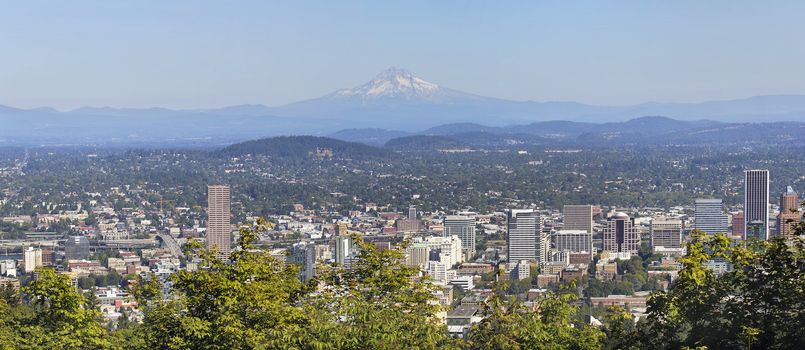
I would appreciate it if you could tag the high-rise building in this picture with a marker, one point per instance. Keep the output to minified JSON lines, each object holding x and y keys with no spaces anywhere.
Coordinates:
{"x":417,"y":254}
{"x":526,"y":240}
{"x":343,"y":246}
{"x":31,"y":259}
{"x":409,"y":223}
{"x":738,"y":224}
{"x":756,"y":204}
{"x":464,"y":228}
{"x":522,"y":271}
{"x":789,"y":200}
{"x":578,"y":217}
{"x":573,"y":241}
{"x":304,"y":255}
{"x":219,"y":227}
{"x":440,"y":272}
{"x":789,"y":215}
{"x":709,"y":216}
{"x":446,"y":249}
{"x":620,"y":235}
{"x":666,"y":232}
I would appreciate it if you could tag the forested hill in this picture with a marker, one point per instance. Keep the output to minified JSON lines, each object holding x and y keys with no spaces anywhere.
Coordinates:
{"x":305,"y":147}
{"x":423,"y":142}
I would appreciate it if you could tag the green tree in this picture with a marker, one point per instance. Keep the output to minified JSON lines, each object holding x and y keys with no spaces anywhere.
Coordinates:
{"x":760,"y":301}
{"x":246,"y":304}
{"x":10,"y":295}
{"x":377,"y":303}
{"x":509,"y":324}
{"x":60,"y":317}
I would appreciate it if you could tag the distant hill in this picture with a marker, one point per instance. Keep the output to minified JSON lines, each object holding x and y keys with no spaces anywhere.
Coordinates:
{"x":481,"y":139}
{"x":458,"y":128}
{"x":643,"y":130}
{"x":305,"y":147}
{"x":393,"y":100}
{"x":370,"y":136}
{"x":779,"y":133}
{"x":424,"y":143}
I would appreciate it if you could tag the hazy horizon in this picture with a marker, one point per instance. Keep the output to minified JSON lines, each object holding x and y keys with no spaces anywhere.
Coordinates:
{"x":196,"y":55}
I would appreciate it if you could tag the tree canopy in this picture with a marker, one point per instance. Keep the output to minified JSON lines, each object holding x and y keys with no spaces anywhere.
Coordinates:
{"x":256,"y":301}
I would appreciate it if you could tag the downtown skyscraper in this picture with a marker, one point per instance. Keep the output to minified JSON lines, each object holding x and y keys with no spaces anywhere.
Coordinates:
{"x":219,"y":227}
{"x":621,"y":235}
{"x":710,"y":216}
{"x":578,"y":217}
{"x":526,"y":240}
{"x":463,"y":227}
{"x":756,"y":204}
{"x":789,"y":215}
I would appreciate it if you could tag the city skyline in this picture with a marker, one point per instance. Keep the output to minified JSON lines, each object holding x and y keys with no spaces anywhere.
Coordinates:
{"x":455,"y":174}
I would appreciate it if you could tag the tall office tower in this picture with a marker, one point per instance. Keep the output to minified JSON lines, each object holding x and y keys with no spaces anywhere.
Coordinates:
{"x":31,"y":259}
{"x":789,"y":200}
{"x":621,"y":235}
{"x":573,"y":241}
{"x":412,"y":212}
{"x":464,"y":228}
{"x":756,"y":204}
{"x":446,"y":249}
{"x":666,"y":232}
{"x":787,"y":220}
{"x":709,"y":215}
{"x":304,"y":255}
{"x":417,"y":254}
{"x":578,"y":217}
{"x":525,"y":236}
{"x":219,"y":227}
{"x":738,"y":224}
{"x":343,"y":245}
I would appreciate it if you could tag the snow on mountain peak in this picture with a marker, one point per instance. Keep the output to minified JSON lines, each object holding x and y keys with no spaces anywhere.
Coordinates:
{"x":395,"y":82}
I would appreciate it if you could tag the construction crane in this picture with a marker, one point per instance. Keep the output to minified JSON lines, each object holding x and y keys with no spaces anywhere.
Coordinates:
{"x":170,"y":201}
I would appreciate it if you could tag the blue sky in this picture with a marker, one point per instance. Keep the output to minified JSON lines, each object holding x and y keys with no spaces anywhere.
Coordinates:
{"x":212,"y":53}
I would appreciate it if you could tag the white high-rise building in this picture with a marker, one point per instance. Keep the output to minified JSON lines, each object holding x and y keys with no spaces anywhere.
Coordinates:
{"x":526,"y":240}
{"x":304,"y":255}
{"x":440,"y":272}
{"x":343,"y":247}
{"x":521,"y":271}
{"x":578,"y":217}
{"x":756,"y":204}
{"x":464,"y":228}
{"x":449,"y":249}
{"x":709,"y":216}
{"x":219,"y":226}
{"x":417,"y":254}
{"x":31,"y":259}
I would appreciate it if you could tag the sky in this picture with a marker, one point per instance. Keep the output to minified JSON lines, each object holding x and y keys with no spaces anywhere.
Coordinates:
{"x":198,"y":54}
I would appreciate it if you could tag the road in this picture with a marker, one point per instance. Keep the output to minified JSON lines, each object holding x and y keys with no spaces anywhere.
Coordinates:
{"x":171,"y":243}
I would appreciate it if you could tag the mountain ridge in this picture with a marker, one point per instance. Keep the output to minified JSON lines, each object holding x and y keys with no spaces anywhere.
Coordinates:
{"x":394,"y":99}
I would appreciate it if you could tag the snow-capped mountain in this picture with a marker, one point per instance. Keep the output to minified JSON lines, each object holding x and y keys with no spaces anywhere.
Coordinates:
{"x":397,"y":98}
{"x":394,"y":99}
{"x":398,"y":83}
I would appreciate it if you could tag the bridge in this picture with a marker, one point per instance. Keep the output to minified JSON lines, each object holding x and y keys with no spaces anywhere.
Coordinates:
{"x":170,"y":242}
